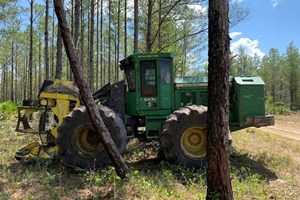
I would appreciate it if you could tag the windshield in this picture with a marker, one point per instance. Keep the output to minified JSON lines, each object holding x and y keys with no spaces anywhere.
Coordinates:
{"x":128,"y":66}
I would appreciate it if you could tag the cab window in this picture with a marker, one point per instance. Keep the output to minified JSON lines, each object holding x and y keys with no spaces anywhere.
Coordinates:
{"x":148,"y":78}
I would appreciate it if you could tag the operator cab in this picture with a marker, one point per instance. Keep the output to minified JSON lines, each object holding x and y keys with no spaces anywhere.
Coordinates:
{"x":150,"y":92}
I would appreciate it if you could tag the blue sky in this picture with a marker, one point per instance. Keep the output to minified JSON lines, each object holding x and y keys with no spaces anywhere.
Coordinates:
{"x":271,"y":24}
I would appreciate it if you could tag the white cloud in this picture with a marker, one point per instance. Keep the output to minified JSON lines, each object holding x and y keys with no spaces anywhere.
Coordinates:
{"x":198,"y":8}
{"x":250,"y":46}
{"x":234,"y":34}
{"x":275,"y":3}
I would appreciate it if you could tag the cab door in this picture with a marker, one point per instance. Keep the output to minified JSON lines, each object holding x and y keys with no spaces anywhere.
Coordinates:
{"x":165,"y":83}
{"x":148,"y":85}
{"x":156,"y":86}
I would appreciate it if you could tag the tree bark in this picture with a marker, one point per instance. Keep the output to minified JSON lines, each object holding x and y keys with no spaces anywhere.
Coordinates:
{"x":159,"y":42}
{"x":58,"y":55}
{"x":31,"y":49}
{"x":118,"y":41}
{"x":136,"y":26}
{"x":97,"y":46}
{"x":102,"y":82}
{"x":125,"y":28}
{"x":87,"y":70}
{"x":25,"y":76}
{"x":12,"y":73}
{"x":16,"y":76}
{"x":218,"y":177}
{"x":52,"y":46}
{"x":85,"y":92}
{"x":40,"y":63}
{"x":77,"y":23}
{"x":149,"y":26}
{"x":46,"y":41}
{"x":35,"y":71}
{"x":4,"y":86}
{"x":109,"y":40}
{"x":91,"y":57}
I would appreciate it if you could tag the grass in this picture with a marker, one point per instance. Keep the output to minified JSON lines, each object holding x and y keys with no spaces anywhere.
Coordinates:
{"x":263,"y":166}
{"x":7,"y":109}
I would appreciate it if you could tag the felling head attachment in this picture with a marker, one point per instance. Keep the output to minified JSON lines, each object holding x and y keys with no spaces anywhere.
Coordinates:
{"x":43,"y":116}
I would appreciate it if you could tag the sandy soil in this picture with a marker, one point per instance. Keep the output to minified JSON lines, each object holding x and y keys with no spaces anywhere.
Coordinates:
{"x":286,"y":126}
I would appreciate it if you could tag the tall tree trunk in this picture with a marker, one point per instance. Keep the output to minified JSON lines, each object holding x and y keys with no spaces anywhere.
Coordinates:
{"x":82,"y":36}
{"x":1,"y":88}
{"x":125,"y":28}
{"x":136,"y":27}
{"x":101,"y":45}
{"x":87,"y":70}
{"x":149,"y":26}
{"x":4,"y":86}
{"x":91,"y":60}
{"x":6,"y":83}
{"x":72,"y":19}
{"x":31,"y":49}
{"x":35,"y":85}
{"x":25,"y":76}
{"x":70,"y":75}
{"x":46,"y":42}
{"x":52,"y":46}
{"x":12,"y":73}
{"x":97,"y":46}
{"x":58,"y":73}
{"x":77,"y":23}
{"x":16,"y":76}
{"x":115,"y":54}
{"x":84,"y":89}
{"x":184,"y":60}
{"x":159,"y":42}
{"x":118,"y":41}
{"x":109,"y":41}
{"x":40,"y":63}
{"x":218,"y":177}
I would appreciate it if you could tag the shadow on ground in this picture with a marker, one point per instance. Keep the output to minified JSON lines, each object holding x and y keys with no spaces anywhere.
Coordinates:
{"x":44,"y":175}
{"x":244,"y":161}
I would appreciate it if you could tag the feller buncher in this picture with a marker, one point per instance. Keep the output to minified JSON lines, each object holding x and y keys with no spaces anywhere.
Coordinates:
{"x":153,"y":104}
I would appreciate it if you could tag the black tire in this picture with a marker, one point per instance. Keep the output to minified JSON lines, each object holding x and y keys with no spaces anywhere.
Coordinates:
{"x":183,"y":136}
{"x":80,"y":146}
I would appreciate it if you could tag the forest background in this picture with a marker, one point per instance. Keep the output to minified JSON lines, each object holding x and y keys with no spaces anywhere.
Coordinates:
{"x":31,"y":48}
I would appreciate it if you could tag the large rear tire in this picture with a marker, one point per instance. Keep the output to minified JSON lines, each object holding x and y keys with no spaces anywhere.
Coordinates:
{"x":79,"y":145}
{"x":183,"y":136}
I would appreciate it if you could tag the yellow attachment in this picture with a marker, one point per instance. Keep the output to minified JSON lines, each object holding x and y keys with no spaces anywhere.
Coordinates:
{"x":36,"y":149}
{"x":47,"y":102}
{"x":60,"y":104}
{"x":63,"y":82}
{"x":193,"y":142}
{"x":22,"y":118}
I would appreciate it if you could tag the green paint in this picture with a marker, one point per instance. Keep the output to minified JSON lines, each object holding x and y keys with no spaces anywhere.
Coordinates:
{"x":154,"y":93}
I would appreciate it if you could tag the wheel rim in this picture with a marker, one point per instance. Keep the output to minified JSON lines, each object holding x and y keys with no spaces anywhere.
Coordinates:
{"x":193,"y":142}
{"x":86,"y":142}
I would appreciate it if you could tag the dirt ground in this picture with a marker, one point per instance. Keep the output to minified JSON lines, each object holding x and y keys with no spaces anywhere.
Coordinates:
{"x":286,"y":126}
{"x":265,"y":165}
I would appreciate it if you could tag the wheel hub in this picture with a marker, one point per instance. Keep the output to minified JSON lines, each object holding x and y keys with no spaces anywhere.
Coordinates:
{"x":193,"y":142}
{"x":86,"y":142}
{"x":194,"y":139}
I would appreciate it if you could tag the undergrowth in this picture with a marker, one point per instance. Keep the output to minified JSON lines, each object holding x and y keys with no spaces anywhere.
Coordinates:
{"x":272,"y":107}
{"x":256,"y":173}
{"x":7,"y":109}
